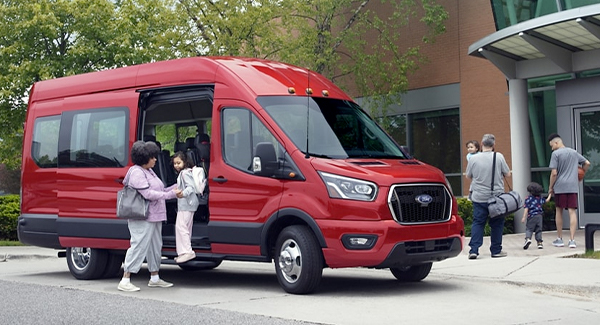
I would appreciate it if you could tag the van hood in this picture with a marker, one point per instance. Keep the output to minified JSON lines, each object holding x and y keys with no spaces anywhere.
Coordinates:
{"x":384,"y":172}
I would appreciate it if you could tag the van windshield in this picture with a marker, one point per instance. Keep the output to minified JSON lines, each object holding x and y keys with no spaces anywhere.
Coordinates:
{"x":336,"y":128}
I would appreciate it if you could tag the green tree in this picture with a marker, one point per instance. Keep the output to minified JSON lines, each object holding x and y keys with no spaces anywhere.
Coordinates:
{"x":43,"y":39}
{"x":357,"y":44}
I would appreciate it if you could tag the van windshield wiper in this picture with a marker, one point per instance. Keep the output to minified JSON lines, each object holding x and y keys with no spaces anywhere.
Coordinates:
{"x":318,"y":155}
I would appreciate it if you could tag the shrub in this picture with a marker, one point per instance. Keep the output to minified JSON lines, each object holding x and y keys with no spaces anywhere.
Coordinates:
{"x":548,"y":220}
{"x":9,"y":213}
{"x":465,"y":210}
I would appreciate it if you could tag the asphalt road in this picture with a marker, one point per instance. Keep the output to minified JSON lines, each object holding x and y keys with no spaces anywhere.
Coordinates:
{"x":42,"y":291}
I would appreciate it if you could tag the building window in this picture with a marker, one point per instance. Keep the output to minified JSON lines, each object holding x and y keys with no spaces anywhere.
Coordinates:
{"x":542,"y":119}
{"x":432,"y":137}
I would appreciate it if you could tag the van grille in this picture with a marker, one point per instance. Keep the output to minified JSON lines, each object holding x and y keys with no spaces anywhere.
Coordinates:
{"x":420,"y":203}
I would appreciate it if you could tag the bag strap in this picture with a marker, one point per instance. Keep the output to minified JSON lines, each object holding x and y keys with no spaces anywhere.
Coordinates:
{"x":493,"y":172}
{"x":127,"y":179}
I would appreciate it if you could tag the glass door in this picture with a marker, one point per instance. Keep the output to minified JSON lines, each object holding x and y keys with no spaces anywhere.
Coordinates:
{"x":587,"y":135}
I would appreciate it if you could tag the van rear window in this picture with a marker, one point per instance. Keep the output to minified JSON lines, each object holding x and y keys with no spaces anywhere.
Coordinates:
{"x":44,"y":148}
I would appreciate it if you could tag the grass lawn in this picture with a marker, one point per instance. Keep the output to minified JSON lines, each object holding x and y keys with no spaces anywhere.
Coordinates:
{"x":11,"y":243}
{"x":590,"y":254}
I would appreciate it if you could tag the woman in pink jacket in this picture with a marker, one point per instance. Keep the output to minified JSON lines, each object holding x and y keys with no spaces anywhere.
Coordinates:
{"x":146,"y":235}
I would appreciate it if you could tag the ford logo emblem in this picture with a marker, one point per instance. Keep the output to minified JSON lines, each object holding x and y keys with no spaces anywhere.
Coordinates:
{"x":424,"y":199}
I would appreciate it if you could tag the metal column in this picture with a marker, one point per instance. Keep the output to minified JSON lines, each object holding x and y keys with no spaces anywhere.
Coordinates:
{"x":519,"y":134}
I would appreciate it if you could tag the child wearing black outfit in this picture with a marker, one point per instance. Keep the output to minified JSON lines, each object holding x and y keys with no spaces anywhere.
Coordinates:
{"x":533,"y":214}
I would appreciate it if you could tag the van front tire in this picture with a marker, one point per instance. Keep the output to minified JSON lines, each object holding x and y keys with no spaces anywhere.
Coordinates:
{"x":298,"y":260}
{"x":87,"y":263}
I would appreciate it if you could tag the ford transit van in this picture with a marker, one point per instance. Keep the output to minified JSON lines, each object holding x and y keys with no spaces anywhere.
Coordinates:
{"x":298,"y":173}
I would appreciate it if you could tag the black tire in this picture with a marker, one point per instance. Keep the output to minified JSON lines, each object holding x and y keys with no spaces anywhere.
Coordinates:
{"x":414,"y":273}
{"x":113,"y":265}
{"x":86,"y":263}
{"x":205,"y":267}
{"x":298,"y":260}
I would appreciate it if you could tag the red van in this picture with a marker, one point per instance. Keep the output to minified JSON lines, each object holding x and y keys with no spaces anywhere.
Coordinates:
{"x":298,"y":173}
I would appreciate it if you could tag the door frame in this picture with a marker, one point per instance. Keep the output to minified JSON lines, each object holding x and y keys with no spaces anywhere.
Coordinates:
{"x":583,"y":217}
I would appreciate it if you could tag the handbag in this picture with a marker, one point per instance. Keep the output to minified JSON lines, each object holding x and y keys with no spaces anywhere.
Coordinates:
{"x":130,"y":203}
{"x":504,"y":204}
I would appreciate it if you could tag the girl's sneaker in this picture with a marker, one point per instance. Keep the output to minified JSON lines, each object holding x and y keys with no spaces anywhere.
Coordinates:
{"x":527,"y":243}
{"x":540,"y":245}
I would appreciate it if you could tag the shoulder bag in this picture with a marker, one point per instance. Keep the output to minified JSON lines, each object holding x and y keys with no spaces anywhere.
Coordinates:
{"x":130,"y":203}
{"x":504,"y":204}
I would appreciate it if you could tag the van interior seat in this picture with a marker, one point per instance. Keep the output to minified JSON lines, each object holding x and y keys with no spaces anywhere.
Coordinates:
{"x":190,"y":150}
{"x":202,"y":144}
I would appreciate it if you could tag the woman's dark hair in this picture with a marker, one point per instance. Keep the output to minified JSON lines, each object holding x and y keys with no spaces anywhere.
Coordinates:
{"x":535,"y":189}
{"x":142,"y":152}
{"x":187,"y":162}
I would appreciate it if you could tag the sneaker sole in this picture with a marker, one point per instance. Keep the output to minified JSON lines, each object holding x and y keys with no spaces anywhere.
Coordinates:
{"x":128,"y":290}
{"x":527,"y":245}
{"x":558,"y":245}
{"x":159,"y":286}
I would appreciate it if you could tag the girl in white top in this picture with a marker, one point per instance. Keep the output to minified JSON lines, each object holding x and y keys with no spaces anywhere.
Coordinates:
{"x":186,"y":206}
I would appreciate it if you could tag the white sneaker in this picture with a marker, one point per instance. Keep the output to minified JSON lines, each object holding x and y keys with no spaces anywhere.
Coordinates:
{"x":128,"y":287}
{"x":159,"y":284}
{"x":185,"y":257}
{"x":572,"y":244}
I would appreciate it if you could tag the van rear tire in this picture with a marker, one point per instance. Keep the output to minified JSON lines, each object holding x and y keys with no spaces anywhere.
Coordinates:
{"x":414,"y":273}
{"x":86,"y":263}
{"x":298,"y":260}
{"x":113,"y":266}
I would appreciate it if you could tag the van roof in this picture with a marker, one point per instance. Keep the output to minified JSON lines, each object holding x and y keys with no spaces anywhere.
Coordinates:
{"x":262,"y":77}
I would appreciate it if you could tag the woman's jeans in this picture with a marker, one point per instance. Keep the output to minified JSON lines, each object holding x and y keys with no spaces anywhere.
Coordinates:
{"x":480,"y":216}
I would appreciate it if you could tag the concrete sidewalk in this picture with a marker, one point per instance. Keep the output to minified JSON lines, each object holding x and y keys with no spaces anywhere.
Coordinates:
{"x":550,"y":267}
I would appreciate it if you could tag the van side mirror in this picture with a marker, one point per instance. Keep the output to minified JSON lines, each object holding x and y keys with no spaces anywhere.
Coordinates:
{"x":406,"y":152}
{"x":264,"y":162}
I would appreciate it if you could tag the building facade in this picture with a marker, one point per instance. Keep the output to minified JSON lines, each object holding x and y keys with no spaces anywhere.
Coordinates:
{"x":519,"y":69}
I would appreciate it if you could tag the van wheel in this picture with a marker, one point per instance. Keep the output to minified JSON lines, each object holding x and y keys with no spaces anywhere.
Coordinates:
{"x":298,"y":260}
{"x":86,"y":263}
{"x":414,"y":273}
{"x":113,"y":266}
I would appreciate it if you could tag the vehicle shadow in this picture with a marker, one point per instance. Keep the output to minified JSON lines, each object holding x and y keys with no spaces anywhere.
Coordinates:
{"x":335,"y":282}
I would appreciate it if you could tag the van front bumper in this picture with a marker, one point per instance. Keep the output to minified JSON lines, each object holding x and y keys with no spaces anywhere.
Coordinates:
{"x":395,"y":245}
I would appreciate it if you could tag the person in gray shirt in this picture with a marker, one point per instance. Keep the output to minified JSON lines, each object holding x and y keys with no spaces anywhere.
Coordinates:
{"x":479,"y":170}
{"x":564,"y":163}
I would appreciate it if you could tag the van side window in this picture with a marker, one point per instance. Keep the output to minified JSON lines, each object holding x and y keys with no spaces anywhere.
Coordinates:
{"x":44,"y":148}
{"x":94,"y":138}
{"x":242,"y":131}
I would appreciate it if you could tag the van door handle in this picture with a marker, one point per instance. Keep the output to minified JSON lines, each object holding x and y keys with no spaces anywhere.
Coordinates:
{"x":220,"y":179}
{"x":119,"y":180}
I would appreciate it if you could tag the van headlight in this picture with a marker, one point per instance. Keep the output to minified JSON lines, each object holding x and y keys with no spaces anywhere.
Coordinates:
{"x":340,"y":187}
